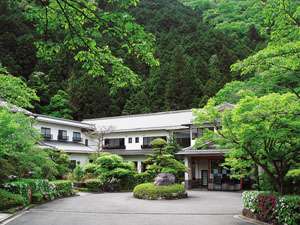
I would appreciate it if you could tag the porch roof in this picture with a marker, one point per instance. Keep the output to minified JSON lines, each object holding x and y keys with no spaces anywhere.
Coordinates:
{"x":202,"y":152}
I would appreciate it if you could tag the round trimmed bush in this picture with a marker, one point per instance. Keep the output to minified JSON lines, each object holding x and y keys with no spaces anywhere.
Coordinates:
{"x":152,"y":192}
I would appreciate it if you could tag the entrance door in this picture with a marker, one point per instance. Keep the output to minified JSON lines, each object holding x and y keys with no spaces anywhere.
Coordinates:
{"x":204,"y":177}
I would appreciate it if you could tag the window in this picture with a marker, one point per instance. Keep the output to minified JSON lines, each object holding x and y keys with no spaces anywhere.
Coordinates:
{"x":137,"y":139}
{"x":130,"y":140}
{"x":114,"y":143}
{"x":62,"y":135}
{"x":197,"y":132}
{"x":147,"y":141}
{"x":46,"y":133}
{"x":86,"y":142}
{"x":76,"y":136}
{"x":72,"y":164}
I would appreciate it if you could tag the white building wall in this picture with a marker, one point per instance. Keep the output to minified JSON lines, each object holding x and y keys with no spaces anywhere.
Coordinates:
{"x":133,"y":135}
{"x":55,"y":127}
{"x":82,"y":158}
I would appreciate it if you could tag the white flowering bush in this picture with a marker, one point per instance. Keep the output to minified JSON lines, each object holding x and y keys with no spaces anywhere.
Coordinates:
{"x":250,"y":200}
{"x":288,"y":210}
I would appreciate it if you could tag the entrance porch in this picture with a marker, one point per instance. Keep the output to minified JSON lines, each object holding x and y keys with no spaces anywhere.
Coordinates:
{"x":205,"y":170}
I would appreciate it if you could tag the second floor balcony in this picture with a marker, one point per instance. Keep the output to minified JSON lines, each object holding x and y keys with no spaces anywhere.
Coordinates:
{"x":107,"y":147}
{"x":76,"y":139}
{"x":62,"y":138}
{"x":47,"y":136}
{"x":146,"y":146}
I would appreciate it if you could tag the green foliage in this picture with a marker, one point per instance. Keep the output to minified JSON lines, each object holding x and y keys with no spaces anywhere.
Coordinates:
{"x":152,"y":192}
{"x":20,"y":188}
{"x":162,"y":160}
{"x":258,"y":130}
{"x":288,"y":210}
{"x":18,"y":152}
{"x":15,"y":91}
{"x":89,"y":168}
{"x":37,"y":190}
{"x":62,"y":188}
{"x":86,"y":30}
{"x":94,"y":185}
{"x":158,"y":143}
{"x":9,"y":200}
{"x":78,"y":173}
{"x":55,"y":57}
{"x":62,"y":162}
{"x":143,"y":177}
{"x":112,"y":171}
{"x":59,"y":106}
{"x":294,"y":174}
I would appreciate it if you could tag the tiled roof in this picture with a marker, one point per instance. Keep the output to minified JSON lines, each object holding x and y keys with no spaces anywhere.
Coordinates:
{"x":14,"y":108}
{"x":192,"y":151}
{"x":56,"y":120}
{"x":151,"y":121}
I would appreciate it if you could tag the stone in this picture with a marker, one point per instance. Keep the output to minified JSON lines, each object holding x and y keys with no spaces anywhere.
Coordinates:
{"x":164,"y":179}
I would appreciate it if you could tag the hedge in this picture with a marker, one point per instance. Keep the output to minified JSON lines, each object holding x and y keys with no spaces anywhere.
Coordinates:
{"x":94,"y":185}
{"x":270,"y":207}
{"x":153,"y":192}
{"x":62,"y":188}
{"x":9,"y":200}
{"x":38,"y":190}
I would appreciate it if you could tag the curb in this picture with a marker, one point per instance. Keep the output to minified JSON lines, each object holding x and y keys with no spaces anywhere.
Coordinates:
{"x":16,"y":214}
{"x":249,"y":220}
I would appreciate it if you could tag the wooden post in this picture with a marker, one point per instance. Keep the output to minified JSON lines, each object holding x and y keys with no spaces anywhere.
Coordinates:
{"x":241,"y":184}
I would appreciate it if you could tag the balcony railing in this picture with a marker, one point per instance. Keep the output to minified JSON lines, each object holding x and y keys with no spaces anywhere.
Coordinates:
{"x":114,"y":147}
{"x":62,"y":138}
{"x":47,"y":136}
{"x":146,"y":146}
{"x":76,"y":139}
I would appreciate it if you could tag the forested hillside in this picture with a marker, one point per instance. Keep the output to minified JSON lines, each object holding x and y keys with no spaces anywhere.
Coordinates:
{"x":194,"y":52}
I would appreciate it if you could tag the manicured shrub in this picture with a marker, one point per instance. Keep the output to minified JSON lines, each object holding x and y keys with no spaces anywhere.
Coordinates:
{"x":37,"y":190}
{"x":9,"y":200}
{"x":37,"y":197}
{"x":89,"y":168}
{"x":78,"y":173}
{"x":144,"y":177}
{"x":153,"y":192}
{"x":20,"y":188}
{"x":27,"y":187}
{"x":288,"y":210}
{"x":62,"y":188}
{"x":94,"y":185}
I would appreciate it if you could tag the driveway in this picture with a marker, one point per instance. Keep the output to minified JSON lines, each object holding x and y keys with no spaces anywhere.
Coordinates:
{"x":201,"y":208}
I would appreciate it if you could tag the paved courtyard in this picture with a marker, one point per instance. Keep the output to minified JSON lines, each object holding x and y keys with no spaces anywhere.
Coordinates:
{"x":201,"y":208}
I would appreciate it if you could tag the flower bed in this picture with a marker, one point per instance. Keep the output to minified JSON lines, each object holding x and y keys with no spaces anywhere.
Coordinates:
{"x":271,"y":208}
{"x":152,"y":192}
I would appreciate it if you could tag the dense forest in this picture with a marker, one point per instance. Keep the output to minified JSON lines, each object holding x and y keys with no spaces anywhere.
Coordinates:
{"x":195,"y":43}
